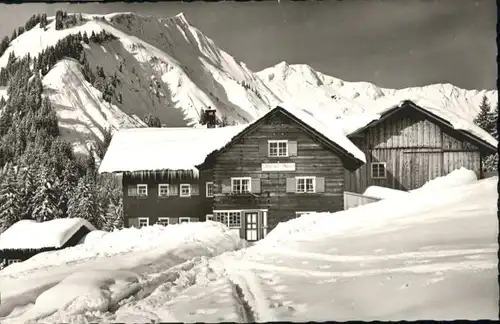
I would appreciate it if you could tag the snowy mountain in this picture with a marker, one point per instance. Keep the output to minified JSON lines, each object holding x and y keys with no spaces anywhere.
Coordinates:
{"x":167,"y":67}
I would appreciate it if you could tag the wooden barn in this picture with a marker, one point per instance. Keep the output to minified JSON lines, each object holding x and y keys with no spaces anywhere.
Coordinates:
{"x":409,"y":145}
{"x":27,"y":238}
{"x":249,"y":177}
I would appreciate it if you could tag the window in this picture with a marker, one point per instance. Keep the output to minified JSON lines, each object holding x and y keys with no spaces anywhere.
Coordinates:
{"x":184,"y":220}
{"x":305,"y":184}
{"x":143,"y":221}
{"x":300,"y":213}
{"x":163,"y":190}
{"x":142,"y":190}
{"x":185,"y":190}
{"x":221,"y":217}
{"x":240,"y":185}
{"x":11,"y":261}
{"x":234,"y":220}
{"x":210,"y":217}
{"x":278,"y":148}
{"x":231,"y":219}
{"x":163,"y":221}
{"x":378,"y":170}
{"x":209,"y":189}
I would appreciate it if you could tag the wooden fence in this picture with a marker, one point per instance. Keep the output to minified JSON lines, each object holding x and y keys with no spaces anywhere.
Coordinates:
{"x":352,"y":199}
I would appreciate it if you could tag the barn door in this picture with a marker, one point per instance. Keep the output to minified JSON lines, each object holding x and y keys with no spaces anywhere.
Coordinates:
{"x":420,"y":167}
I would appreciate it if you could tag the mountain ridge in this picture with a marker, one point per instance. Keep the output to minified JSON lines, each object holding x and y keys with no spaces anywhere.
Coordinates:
{"x":169,"y":68}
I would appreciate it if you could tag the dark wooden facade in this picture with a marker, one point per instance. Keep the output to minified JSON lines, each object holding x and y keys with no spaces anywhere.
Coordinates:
{"x":416,"y":147}
{"x":19,"y":255}
{"x":153,"y":206}
{"x":273,"y":197}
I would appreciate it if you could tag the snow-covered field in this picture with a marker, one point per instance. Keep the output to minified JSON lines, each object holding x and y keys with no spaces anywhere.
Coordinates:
{"x":420,"y":255}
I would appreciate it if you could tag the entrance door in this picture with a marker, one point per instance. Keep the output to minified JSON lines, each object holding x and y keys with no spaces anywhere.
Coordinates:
{"x":251,"y":227}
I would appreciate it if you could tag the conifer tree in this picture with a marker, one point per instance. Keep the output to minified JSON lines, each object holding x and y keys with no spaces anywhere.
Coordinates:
{"x":483,"y":118}
{"x":10,"y":200}
{"x":45,"y":199}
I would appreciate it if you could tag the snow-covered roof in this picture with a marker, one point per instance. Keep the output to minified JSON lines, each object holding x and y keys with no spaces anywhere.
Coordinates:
{"x":354,"y":123}
{"x":29,"y":234}
{"x":323,"y":126}
{"x":168,"y":148}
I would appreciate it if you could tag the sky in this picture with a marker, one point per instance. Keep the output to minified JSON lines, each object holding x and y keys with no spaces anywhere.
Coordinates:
{"x":392,"y":43}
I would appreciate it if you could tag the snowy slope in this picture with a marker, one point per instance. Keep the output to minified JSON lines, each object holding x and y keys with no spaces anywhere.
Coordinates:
{"x":169,"y":68}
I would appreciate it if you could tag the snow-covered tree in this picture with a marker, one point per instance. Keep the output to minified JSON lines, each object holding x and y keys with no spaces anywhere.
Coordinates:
{"x":10,"y":200}
{"x":83,"y":202}
{"x":484,"y":117}
{"x":46,"y":198}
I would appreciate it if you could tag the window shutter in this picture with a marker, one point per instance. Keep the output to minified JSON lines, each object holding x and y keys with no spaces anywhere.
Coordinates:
{"x":133,"y":222}
{"x":132,"y":191}
{"x":263,"y":150}
{"x":320,"y":184}
{"x":256,"y":185}
{"x":173,"y":190}
{"x":194,"y":219}
{"x":173,"y":220}
{"x":292,"y":148}
{"x":195,"y":190}
{"x":226,"y":186}
{"x":290,"y":184}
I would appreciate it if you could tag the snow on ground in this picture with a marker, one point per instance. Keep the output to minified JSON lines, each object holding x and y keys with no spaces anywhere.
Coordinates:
{"x":89,"y":280}
{"x":421,"y":255}
{"x":29,"y":234}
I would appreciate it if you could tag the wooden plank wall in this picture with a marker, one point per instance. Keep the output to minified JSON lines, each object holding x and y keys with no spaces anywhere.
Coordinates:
{"x":244,"y":159}
{"x":415,"y":151}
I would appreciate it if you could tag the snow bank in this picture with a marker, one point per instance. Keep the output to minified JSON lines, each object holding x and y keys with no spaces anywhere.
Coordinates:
{"x":379,"y":215}
{"x":127,"y":240}
{"x":456,"y":178}
{"x":29,"y":234}
{"x":75,"y":284}
{"x":174,"y":148}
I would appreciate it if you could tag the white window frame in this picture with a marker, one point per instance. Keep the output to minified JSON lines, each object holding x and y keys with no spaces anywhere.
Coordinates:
{"x":184,"y":185}
{"x":227,"y":214}
{"x":163,"y":186}
{"x":209,"y":217}
{"x":277,"y":142}
{"x":160,"y":219}
{"x":383,"y":164}
{"x":305,"y":184}
{"x":206,"y":189}
{"x":12,"y":261}
{"x":241,"y":179}
{"x":142,"y":185}
{"x":300,"y":213}
{"x":139,"y":221}
{"x":184,"y":218}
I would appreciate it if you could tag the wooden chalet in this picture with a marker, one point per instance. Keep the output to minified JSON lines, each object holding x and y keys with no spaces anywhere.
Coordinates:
{"x":27,"y":238}
{"x":409,"y":145}
{"x":249,"y":177}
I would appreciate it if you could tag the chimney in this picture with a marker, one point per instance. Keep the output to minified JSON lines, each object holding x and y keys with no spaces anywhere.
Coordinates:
{"x":210,"y":117}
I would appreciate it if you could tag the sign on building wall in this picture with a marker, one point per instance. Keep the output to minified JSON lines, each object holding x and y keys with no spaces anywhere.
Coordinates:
{"x":269,"y":167}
